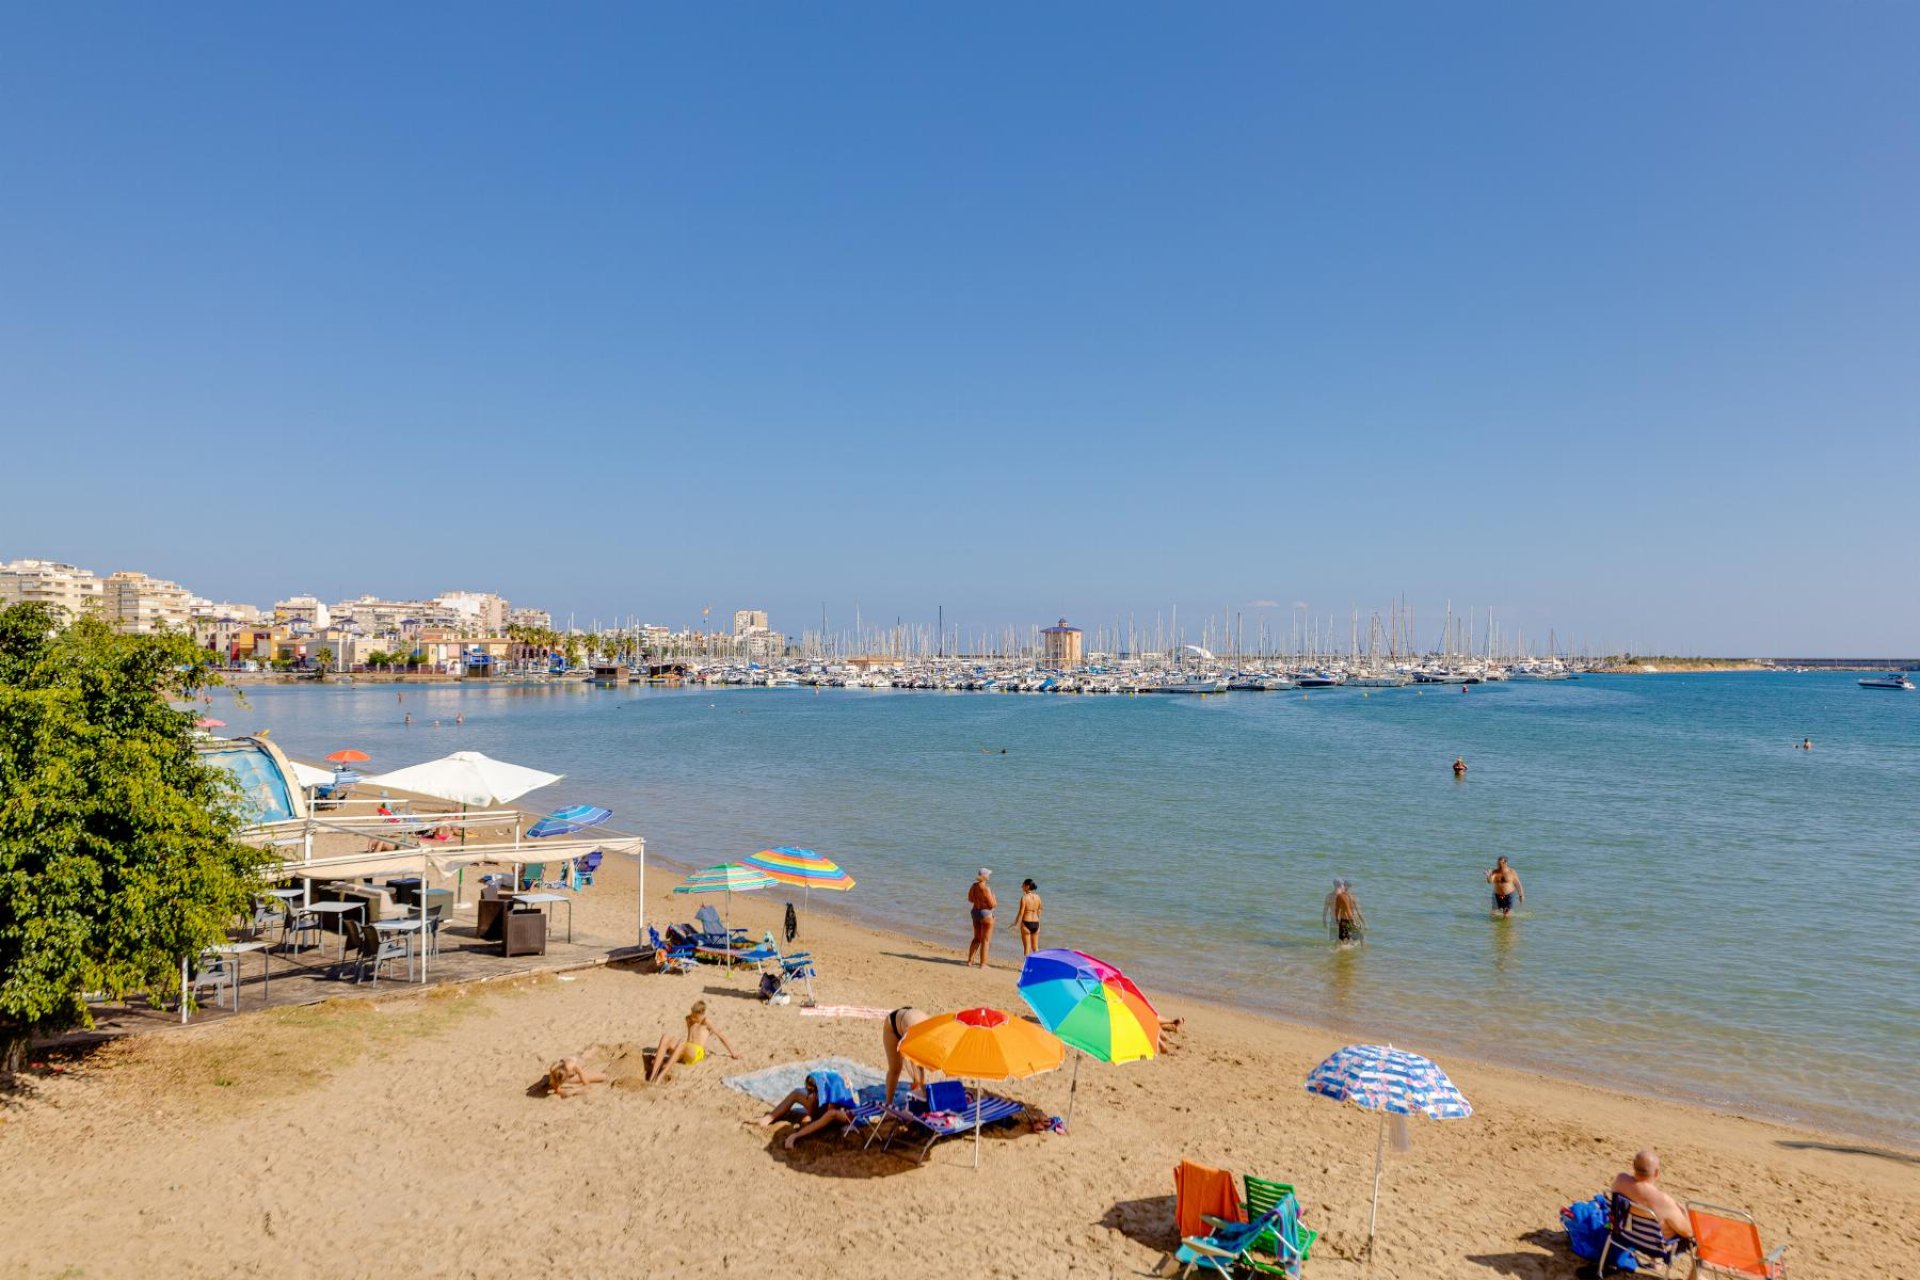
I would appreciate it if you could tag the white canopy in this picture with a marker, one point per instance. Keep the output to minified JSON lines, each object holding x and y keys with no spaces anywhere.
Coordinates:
{"x":308,"y":776}
{"x":467,"y":777}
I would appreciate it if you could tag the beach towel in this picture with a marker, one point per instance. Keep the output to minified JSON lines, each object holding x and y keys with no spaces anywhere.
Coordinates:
{"x":831,"y":1089}
{"x":775,"y":1083}
{"x":843,"y":1011}
{"x":1199,"y":1192}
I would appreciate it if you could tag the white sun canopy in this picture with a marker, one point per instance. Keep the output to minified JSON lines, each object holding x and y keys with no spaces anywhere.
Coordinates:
{"x":467,"y":777}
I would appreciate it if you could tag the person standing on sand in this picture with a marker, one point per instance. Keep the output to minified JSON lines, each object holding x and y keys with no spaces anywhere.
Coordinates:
{"x":1028,"y":917}
{"x":980,"y":904}
{"x":1507,"y":888}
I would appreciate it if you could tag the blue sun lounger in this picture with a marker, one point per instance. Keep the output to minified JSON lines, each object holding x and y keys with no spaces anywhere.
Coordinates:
{"x":950,"y":1111}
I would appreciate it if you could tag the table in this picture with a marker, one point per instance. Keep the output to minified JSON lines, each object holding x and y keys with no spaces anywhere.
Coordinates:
{"x":339,"y":909}
{"x":266,"y":967}
{"x":544,"y":899}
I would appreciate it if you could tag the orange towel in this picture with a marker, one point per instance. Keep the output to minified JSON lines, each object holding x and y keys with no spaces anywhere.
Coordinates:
{"x":1199,"y":1190}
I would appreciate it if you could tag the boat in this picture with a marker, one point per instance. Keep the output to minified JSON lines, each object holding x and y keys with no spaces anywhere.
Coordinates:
{"x":1191,"y":684}
{"x":1378,"y":680}
{"x":1319,"y":679}
{"x":1887,"y":680}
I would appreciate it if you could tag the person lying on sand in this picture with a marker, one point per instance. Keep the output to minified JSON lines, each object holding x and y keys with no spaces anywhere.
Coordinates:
{"x":569,"y":1077}
{"x":691,"y":1047}
{"x":1642,"y":1186}
{"x":822,"y":1101}
{"x":1170,"y":1038}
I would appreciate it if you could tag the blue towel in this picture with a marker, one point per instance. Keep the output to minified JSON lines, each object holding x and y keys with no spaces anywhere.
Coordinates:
{"x":831,"y":1089}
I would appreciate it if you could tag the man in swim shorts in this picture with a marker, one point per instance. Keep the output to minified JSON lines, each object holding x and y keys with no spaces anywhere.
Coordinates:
{"x":1507,"y":889}
{"x":980,"y":904}
{"x":1346,"y":915}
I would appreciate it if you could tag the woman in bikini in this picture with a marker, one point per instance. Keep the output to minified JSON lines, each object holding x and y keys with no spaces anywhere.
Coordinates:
{"x":892,"y":1031}
{"x":689,"y":1049}
{"x":1028,"y":916}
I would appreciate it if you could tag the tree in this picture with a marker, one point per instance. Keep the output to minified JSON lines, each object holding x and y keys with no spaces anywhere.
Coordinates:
{"x":119,"y":848}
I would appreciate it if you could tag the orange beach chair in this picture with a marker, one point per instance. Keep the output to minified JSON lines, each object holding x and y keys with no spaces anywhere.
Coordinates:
{"x":1727,"y":1243}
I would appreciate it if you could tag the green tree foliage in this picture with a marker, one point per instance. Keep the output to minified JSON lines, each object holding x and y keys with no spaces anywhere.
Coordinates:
{"x":119,"y":849}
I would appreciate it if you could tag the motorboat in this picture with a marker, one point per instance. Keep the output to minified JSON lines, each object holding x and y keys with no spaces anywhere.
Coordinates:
{"x":1320,"y":679}
{"x":1887,"y":680}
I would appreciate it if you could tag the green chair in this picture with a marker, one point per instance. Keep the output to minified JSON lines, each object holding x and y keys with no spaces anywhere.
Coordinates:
{"x":1262,"y":1197}
{"x":1263,"y":1244}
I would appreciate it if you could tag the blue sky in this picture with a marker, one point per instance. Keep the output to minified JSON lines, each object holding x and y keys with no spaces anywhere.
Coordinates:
{"x":1605,"y":318}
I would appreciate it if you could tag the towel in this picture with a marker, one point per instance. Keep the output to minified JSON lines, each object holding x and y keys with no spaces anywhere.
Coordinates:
{"x":843,"y":1011}
{"x":1200,"y":1191}
{"x":832,"y":1090}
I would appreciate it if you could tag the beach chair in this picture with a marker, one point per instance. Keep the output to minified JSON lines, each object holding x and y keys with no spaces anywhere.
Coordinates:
{"x":951,"y":1110}
{"x":778,"y":972}
{"x":215,"y":973}
{"x":1726,"y":1242}
{"x":714,"y":932}
{"x":1635,"y":1229}
{"x":1291,"y":1240}
{"x":1233,"y":1246}
{"x":583,"y":870}
{"x":531,"y":875}
{"x":674,"y":958}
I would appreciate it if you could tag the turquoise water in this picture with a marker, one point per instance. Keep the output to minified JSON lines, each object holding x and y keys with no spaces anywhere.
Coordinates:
{"x":1710,"y":913}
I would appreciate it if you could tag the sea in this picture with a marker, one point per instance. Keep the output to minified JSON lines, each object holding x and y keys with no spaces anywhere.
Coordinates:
{"x":1712,"y":913}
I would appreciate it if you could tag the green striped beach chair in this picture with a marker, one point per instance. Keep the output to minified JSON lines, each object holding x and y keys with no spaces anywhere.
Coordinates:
{"x":1286,"y":1240}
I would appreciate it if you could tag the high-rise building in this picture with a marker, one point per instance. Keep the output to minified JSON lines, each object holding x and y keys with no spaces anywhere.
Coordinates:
{"x":134,"y":602}
{"x":746,"y":621}
{"x":72,"y":590}
{"x":481,"y":612}
{"x":1062,"y":645}
{"x":539,"y":619}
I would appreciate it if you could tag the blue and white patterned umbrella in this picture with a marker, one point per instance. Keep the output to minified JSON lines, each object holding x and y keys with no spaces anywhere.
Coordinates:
{"x":1393,"y":1082}
{"x":1382,"y":1078}
{"x":564,"y":822}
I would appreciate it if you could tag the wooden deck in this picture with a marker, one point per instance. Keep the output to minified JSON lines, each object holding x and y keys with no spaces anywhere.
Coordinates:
{"x":313,"y":974}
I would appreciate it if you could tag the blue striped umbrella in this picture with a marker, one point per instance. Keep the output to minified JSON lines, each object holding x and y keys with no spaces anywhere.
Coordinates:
{"x":564,"y":822}
{"x":1394,"y":1083}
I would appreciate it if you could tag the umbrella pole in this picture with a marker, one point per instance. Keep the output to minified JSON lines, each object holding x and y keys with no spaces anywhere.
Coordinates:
{"x":976,"y":1128}
{"x":1073,"y":1088}
{"x":1379,"y":1156}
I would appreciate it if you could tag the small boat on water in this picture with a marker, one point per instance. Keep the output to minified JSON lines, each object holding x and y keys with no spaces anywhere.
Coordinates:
{"x":1378,"y":680}
{"x":1889,"y":680}
{"x":1191,"y":684}
{"x":1320,"y":679}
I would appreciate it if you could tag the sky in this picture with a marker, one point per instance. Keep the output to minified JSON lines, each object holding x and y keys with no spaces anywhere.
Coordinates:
{"x":1603,"y":317}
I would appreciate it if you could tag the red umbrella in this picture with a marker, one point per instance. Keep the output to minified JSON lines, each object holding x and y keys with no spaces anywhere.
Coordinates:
{"x":209,"y":723}
{"x":349,"y":756}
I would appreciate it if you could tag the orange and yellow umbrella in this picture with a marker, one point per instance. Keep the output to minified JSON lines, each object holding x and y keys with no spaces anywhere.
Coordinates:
{"x":982,"y":1044}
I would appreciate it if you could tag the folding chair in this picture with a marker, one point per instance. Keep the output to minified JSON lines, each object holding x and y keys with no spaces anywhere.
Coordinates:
{"x":1726,"y":1242}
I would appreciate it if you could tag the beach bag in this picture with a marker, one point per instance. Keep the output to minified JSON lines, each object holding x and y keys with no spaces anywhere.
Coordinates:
{"x":1586,"y":1224}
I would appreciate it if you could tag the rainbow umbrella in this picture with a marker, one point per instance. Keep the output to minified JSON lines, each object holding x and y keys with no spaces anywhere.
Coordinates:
{"x":982,"y":1044}
{"x":1092,"y":1006}
{"x":802,"y":867}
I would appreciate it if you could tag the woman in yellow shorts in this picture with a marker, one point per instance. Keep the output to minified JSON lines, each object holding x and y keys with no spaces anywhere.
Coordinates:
{"x":690,"y":1048}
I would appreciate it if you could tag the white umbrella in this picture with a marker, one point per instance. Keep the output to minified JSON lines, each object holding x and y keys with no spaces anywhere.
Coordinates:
{"x":466,"y":778}
{"x":308,"y":776}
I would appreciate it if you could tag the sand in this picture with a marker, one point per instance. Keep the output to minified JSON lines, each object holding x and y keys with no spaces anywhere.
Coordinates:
{"x":409,"y":1135}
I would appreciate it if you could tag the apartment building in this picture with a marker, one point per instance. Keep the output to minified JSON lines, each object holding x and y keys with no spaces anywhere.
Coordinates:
{"x":70,"y":589}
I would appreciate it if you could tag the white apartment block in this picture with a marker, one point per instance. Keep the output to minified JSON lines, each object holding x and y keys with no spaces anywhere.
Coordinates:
{"x":538,"y":618}
{"x":307,"y":609}
{"x":746,"y":621}
{"x":134,"y":602}
{"x":480,"y":612}
{"x":73,"y":590}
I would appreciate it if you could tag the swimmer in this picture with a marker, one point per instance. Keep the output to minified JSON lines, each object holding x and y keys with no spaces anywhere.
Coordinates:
{"x":1507,"y":889}
{"x":408,"y":719}
{"x":1806,"y":744}
{"x":1459,"y":766}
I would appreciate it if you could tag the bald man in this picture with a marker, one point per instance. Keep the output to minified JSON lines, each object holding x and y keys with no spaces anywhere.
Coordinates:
{"x":1642,"y":1186}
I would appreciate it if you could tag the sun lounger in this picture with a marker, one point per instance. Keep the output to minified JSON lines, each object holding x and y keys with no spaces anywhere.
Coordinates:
{"x":949,"y":1112}
{"x":675,"y":959}
{"x":1635,"y":1229}
{"x":716,"y":954}
{"x":1726,"y":1242}
{"x":1229,"y":1247}
{"x":1289,"y":1240}
{"x":778,"y":971}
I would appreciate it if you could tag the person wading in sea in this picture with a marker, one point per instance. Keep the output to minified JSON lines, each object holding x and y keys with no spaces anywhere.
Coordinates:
{"x":1349,"y":924}
{"x":1507,"y":889}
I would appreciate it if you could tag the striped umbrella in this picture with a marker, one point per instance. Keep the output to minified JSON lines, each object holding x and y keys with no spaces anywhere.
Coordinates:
{"x":1394,"y":1083}
{"x":564,"y":822}
{"x":728,"y":878}
{"x":1091,"y":1006}
{"x":802,"y":867}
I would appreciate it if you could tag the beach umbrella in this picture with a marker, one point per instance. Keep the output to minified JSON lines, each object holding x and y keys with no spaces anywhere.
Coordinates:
{"x":208,"y":722}
{"x":802,"y":867}
{"x":982,"y":1044}
{"x":308,"y":776}
{"x":1092,"y":1007}
{"x":728,"y":878}
{"x":564,"y":822}
{"x":349,"y":756}
{"x":1394,"y":1083}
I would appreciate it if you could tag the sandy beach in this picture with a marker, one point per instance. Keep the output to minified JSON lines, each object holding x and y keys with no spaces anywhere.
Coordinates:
{"x":406,"y":1134}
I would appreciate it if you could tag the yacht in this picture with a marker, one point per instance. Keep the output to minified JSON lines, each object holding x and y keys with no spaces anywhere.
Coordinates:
{"x":1320,"y":679}
{"x":1887,"y":680}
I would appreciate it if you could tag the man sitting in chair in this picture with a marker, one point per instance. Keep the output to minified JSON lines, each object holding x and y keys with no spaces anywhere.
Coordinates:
{"x":1642,"y":1186}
